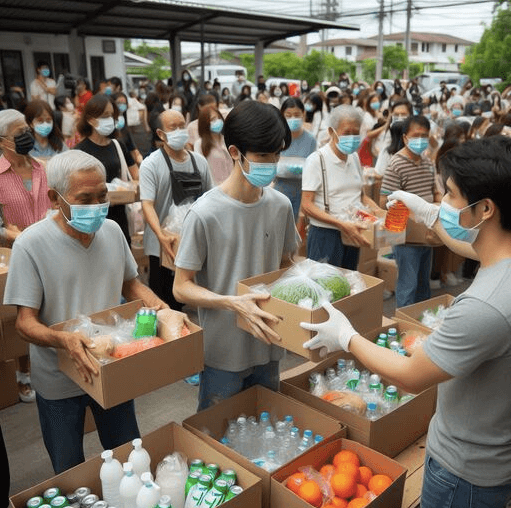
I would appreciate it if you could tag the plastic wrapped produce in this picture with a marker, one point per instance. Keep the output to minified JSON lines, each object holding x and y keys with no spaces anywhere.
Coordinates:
{"x":433,"y":318}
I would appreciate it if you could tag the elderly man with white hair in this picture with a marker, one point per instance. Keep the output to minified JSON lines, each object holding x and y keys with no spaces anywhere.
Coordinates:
{"x":75,"y":261}
{"x":332,"y":182}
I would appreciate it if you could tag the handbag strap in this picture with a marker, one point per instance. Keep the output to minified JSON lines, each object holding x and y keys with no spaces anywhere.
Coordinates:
{"x":325,"y":190}
{"x":125,"y":173}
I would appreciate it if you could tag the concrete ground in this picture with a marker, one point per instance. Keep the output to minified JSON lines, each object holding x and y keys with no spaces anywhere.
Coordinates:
{"x":28,"y":459}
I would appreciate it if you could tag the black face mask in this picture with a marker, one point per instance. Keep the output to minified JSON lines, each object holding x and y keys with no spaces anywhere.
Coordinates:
{"x":23,"y":143}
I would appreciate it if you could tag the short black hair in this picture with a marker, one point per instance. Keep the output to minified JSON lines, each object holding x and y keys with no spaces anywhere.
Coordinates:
{"x":114,"y":80}
{"x":420,"y":120}
{"x":292,"y":102}
{"x":256,"y":127}
{"x":481,"y":169}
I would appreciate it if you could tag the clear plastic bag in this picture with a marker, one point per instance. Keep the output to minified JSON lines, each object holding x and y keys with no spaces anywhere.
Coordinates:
{"x":117,"y":184}
{"x":173,"y":223}
{"x":433,"y":318}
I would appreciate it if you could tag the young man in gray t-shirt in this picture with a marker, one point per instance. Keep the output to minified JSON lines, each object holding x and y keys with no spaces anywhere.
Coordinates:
{"x":468,"y":459}
{"x":240,"y":229}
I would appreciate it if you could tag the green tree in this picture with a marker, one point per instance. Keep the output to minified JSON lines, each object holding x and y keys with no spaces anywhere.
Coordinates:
{"x":491,"y":57}
{"x":395,"y":61}
{"x":369,"y":70}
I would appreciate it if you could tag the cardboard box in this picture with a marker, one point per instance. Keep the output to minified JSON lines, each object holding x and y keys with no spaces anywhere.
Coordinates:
{"x":159,"y":443}
{"x":386,"y":270}
{"x":378,"y":237}
{"x":414,"y":312}
{"x":367,"y":261}
{"x":211,"y":424}
{"x":8,"y":385}
{"x":146,"y":371}
{"x":166,"y":261}
{"x":364,"y":310}
{"x":391,"y":433}
{"x":391,"y":497}
{"x":122,"y":197}
{"x":420,"y":234}
{"x":12,"y":345}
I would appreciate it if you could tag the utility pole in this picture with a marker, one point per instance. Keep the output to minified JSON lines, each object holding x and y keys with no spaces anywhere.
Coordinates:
{"x":379,"y":56}
{"x":408,"y":44}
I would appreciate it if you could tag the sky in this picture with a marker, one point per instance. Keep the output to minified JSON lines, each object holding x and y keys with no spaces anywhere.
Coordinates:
{"x":464,"y":18}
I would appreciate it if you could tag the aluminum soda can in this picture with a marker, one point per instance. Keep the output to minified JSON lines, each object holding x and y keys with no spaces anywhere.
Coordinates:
{"x":51,"y":493}
{"x":45,"y":506}
{"x":59,"y":502}
{"x":213,"y":469}
{"x":73,"y":498}
{"x":192,"y":479}
{"x":200,"y":489}
{"x":100,"y":504}
{"x":234,"y":491}
{"x":215,"y":496}
{"x":89,"y":500}
{"x":229,"y":475}
{"x":35,"y":502}
{"x":82,"y":492}
{"x":196,"y":464}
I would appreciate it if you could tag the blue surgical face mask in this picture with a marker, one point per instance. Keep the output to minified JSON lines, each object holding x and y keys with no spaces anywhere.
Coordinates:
{"x":108,"y":90}
{"x":261,"y":173}
{"x":356,"y":91}
{"x":177,"y":139}
{"x":295,"y":124}
{"x":375,"y":106}
{"x":456,"y":112}
{"x":418,"y":145}
{"x":45,"y":72}
{"x":216,"y":126}
{"x":105,"y":126}
{"x":308,"y":107}
{"x":348,"y":144}
{"x":122,"y":107}
{"x":450,"y":220}
{"x":379,"y":89}
{"x":87,"y":219}
{"x":43,"y":129}
{"x":120,"y":123}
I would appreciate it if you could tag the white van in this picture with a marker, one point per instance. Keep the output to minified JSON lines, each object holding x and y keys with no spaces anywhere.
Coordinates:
{"x":224,"y":73}
{"x":430,"y":80}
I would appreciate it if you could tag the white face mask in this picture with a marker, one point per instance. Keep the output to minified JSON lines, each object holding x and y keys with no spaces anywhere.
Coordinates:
{"x":176,"y":108}
{"x":177,"y":139}
{"x":105,"y":126}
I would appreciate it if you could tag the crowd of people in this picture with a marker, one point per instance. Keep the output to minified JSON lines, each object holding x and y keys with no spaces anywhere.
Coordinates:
{"x":251,"y":174}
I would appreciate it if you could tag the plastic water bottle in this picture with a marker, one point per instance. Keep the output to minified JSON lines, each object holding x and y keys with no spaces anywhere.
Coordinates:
{"x":129,"y":487}
{"x":149,"y":494}
{"x":318,"y":385}
{"x":306,"y":442}
{"x":390,"y":399}
{"x":139,"y":458}
{"x":270,"y":462}
{"x":330,"y":376}
{"x":164,"y":502}
{"x":362,"y":388}
{"x":317,"y":439}
{"x":372,"y":413}
{"x":264,"y":422}
{"x":392,"y":335}
{"x":295,"y":439}
{"x":268,"y":439}
{"x":111,"y":474}
{"x":171,"y":475}
{"x":231,"y":434}
{"x":289,"y":422}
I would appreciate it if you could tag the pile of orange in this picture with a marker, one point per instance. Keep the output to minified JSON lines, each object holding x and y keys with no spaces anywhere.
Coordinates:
{"x":349,"y":480}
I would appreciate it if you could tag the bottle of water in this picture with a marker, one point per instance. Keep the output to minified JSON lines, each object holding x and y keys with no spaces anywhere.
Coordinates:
{"x":129,"y":487}
{"x":306,"y":442}
{"x":318,"y":385}
{"x":362,"y":388}
{"x":243,"y":437}
{"x":392,"y":335}
{"x":270,"y":462}
{"x":111,"y":474}
{"x":394,"y":346}
{"x":289,"y":422}
{"x":231,"y":434}
{"x":149,"y":494}
{"x":330,"y":376}
{"x":372,"y":412}
{"x":341,"y":370}
{"x":139,"y":458}
{"x":264,"y":422}
{"x":269,"y":441}
{"x":295,"y":439}
{"x":390,"y":399}
{"x":352,"y":375}
{"x":317,"y":439}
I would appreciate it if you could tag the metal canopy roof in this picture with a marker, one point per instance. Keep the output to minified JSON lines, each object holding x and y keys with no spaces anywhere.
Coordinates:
{"x":155,"y":19}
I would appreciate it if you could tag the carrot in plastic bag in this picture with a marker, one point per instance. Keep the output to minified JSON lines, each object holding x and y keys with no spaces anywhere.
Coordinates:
{"x":135,"y":346}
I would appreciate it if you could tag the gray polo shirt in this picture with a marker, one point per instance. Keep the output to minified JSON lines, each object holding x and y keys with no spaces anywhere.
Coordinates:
{"x":51,"y":271}
{"x":156,"y":186}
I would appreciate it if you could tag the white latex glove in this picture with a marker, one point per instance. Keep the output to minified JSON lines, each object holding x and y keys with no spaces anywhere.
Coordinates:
{"x":422,"y":211}
{"x":334,"y":334}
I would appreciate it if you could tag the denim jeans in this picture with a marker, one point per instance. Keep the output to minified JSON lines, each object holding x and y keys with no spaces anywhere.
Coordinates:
{"x":325,"y":245}
{"x":62,"y":425}
{"x":293,"y":190}
{"x":413,"y":272}
{"x":442,"y":489}
{"x":217,"y":385}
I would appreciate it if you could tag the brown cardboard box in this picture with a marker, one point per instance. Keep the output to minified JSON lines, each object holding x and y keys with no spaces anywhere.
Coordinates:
{"x":159,"y":443}
{"x":414,"y":312}
{"x":211,"y":424}
{"x":391,"y":497}
{"x":389,"y":434}
{"x":147,"y":370}
{"x":378,"y":237}
{"x":12,"y":345}
{"x":166,"y":261}
{"x":364,"y":310}
{"x":8,"y":385}
{"x":122,"y":197}
{"x":420,"y":234}
{"x":386,"y":270}
{"x":367,"y":261}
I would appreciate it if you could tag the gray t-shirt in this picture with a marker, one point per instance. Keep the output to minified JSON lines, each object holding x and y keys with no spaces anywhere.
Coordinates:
{"x":470,"y":434}
{"x":156,"y":186}
{"x":225,"y":241}
{"x":53,"y":272}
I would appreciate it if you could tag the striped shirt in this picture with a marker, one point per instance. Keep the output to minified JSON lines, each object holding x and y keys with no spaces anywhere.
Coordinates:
{"x":404,"y":174}
{"x":22,"y":207}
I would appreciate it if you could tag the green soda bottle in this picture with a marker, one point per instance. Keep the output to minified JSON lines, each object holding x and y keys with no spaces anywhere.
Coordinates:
{"x":215,"y":495}
{"x":146,"y":324}
{"x":229,"y":475}
{"x":192,"y":479}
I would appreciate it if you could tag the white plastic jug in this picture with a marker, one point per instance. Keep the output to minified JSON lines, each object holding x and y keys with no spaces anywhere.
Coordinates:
{"x":139,"y":458}
{"x":149,"y":494}
{"x":171,"y":475}
{"x":111,"y":474}
{"x":129,"y":487}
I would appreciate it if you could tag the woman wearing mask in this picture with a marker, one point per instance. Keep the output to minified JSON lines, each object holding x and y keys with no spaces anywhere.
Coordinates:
{"x":204,"y":100}
{"x":187,"y":86}
{"x":96,"y":125}
{"x":65,"y":105}
{"x":285,"y":91}
{"x":211,"y":144}
{"x":292,"y":160}
{"x":24,"y":196}
{"x":83,"y":94}
{"x":178,"y":103}
{"x":379,"y":88}
{"x":371,"y":115}
{"x":226,"y":98}
{"x":121,"y":127}
{"x":275,"y":96}
{"x":48,"y":139}
{"x":315,"y":116}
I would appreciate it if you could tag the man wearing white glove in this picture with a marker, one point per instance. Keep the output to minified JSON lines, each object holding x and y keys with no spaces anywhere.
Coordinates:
{"x":468,"y":453}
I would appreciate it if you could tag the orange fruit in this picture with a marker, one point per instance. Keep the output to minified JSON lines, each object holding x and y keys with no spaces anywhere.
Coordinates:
{"x":348,"y":468}
{"x":361,"y":490}
{"x":344,"y":485}
{"x":378,"y":483}
{"x":358,"y":502}
{"x":365,"y":475}
{"x":346,"y":456}
{"x":327,"y":471}
{"x":309,"y":491}
{"x":294,"y":481}
{"x":338,"y":502}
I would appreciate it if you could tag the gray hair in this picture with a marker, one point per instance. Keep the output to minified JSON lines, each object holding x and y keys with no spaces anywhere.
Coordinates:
{"x":7,"y":118}
{"x":62,"y":166}
{"x":344,"y":112}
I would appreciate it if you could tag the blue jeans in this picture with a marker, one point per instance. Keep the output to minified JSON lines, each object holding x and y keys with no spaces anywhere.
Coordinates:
{"x":62,"y":425}
{"x":293,"y":190}
{"x":442,"y":489}
{"x":325,"y":245}
{"x":413,"y":272}
{"x":217,"y":385}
